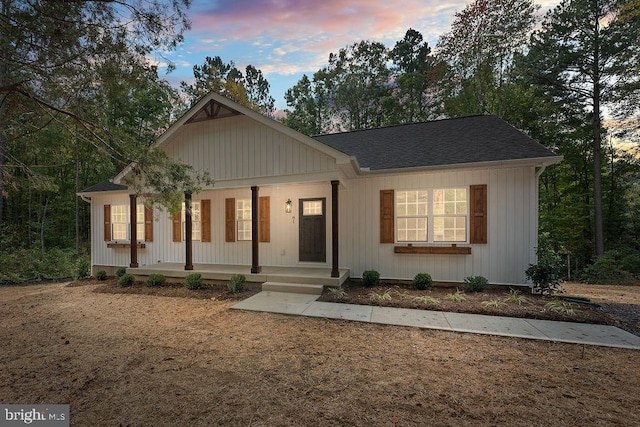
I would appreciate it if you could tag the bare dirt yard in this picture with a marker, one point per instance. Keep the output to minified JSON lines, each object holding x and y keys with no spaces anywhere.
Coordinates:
{"x":142,"y":360}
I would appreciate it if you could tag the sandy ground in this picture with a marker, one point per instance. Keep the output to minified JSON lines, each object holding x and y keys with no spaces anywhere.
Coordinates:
{"x":143,"y":360}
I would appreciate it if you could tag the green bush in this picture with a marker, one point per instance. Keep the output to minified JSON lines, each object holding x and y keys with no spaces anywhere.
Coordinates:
{"x":121,"y":271}
{"x":613,"y":267}
{"x":155,"y":280}
{"x":126,"y":280}
{"x":101,"y":275}
{"x":26,"y":265}
{"x":371,"y":278}
{"x":422,"y":281}
{"x":82,"y":268}
{"x":193,"y":281}
{"x":475,"y":284}
{"x":236,"y":283}
{"x":546,"y":275}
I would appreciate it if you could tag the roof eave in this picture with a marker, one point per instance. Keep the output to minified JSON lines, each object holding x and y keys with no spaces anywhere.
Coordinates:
{"x":537,"y":161}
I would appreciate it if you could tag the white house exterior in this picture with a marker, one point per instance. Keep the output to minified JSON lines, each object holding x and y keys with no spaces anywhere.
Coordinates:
{"x":452,"y":198}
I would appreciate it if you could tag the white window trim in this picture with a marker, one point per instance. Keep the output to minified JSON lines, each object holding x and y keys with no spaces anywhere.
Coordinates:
{"x":140,"y":226}
{"x":196,"y":225}
{"x":242,"y":234}
{"x":430,"y":216}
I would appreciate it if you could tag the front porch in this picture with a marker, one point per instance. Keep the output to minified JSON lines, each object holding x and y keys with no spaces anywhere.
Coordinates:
{"x":301,"y":275}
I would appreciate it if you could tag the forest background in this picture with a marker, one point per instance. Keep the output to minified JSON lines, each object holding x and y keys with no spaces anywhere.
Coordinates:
{"x":79,"y":101}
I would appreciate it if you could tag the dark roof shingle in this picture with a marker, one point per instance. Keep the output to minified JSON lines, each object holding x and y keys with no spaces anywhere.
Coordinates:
{"x":104,"y":186}
{"x":473,"y":139}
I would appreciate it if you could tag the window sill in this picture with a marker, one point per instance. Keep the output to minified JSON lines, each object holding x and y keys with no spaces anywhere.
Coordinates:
{"x":446,"y":250}
{"x":117,"y":245}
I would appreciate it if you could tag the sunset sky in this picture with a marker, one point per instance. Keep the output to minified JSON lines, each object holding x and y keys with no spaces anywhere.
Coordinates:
{"x":288,"y":38}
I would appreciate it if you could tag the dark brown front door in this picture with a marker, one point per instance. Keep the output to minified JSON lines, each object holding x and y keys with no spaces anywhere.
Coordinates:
{"x":313,"y":228}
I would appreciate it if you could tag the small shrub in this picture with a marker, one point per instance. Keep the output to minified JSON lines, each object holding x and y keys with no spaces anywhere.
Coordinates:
{"x":495,"y":303}
{"x":422,"y":281}
{"x":101,"y":275}
{"x":371,"y":278}
{"x":193,"y":281}
{"x":613,"y":267}
{"x":236,"y":283}
{"x":561,"y":307}
{"x":515,"y":297}
{"x":546,"y":275}
{"x":121,"y":271}
{"x":338,"y":293}
{"x":155,"y":280}
{"x":457,"y":296}
{"x":475,"y":284}
{"x":425,"y":299}
{"x":82,"y":268}
{"x":126,"y":280}
{"x":380,"y":297}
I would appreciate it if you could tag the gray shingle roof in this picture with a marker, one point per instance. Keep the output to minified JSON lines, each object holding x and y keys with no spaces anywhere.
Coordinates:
{"x":104,"y":186}
{"x":463,"y":140}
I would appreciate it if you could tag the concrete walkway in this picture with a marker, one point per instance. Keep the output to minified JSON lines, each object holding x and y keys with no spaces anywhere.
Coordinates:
{"x":568,"y":332}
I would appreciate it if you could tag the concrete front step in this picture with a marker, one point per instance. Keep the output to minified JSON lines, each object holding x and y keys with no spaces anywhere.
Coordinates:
{"x":295,"y":288}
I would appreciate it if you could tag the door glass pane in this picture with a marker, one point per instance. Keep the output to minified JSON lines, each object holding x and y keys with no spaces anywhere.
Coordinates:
{"x":312,"y":207}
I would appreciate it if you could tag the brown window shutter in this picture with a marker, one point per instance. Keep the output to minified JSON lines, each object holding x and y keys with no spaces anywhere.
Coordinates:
{"x":387,"y":222}
{"x":176,"y":227}
{"x":265,"y":220}
{"x":205,"y":217}
{"x":230,"y":220}
{"x":107,"y":223}
{"x":148,"y":224}
{"x":478,"y":214}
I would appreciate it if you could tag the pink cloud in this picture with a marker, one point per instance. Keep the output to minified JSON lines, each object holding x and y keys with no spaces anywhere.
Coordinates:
{"x":290,"y":19}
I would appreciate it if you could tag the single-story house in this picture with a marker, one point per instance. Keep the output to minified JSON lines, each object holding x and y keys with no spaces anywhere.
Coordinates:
{"x":452,"y":198}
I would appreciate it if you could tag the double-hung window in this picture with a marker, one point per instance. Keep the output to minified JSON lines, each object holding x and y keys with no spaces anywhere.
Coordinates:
{"x":450,"y":215}
{"x":411,"y":209}
{"x":120,"y":215}
{"x":243,"y":217}
{"x":196,"y":221}
{"x":432,"y":215}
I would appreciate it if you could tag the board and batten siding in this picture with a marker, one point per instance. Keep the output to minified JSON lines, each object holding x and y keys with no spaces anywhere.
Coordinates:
{"x":512,"y":227}
{"x":281,"y":250}
{"x":238,"y":147}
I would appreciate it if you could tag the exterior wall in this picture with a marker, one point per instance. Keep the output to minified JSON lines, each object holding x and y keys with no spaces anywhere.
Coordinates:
{"x":282,"y":250}
{"x":512,"y":227}
{"x":238,"y":147}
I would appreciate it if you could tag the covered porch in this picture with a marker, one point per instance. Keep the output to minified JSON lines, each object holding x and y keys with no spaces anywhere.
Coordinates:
{"x":299,"y":275}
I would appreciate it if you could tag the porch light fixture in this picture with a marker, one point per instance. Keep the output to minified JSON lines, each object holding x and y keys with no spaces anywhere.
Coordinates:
{"x":287,"y":206}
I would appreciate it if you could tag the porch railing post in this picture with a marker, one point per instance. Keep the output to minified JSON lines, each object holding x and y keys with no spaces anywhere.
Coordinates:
{"x":133,"y":225}
{"x":188,"y":227}
{"x":255,"y":220}
{"x":335,"y":264}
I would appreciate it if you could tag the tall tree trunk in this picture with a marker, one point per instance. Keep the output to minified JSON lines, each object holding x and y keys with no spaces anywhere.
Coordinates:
{"x":597,"y":147}
{"x":4,"y":10}
{"x":43,"y":221}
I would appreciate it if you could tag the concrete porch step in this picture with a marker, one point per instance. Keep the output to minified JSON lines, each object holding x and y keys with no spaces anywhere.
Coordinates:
{"x":295,"y":288}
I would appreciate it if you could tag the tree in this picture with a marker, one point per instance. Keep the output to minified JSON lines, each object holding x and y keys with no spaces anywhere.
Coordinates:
{"x":587,"y":51}
{"x":358,"y":81}
{"x":477,"y":55}
{"x":52,"y":56}
{"x":413,"y":70}
{"x":306,"y":107}
{"x":250,"y":89}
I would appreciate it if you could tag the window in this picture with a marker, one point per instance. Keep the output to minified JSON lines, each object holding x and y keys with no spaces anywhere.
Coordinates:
{"x":448,"y":211}
{"x":196,"y":221}
{"x":450,"y":215}
{"x":120,"y":215}
{"x":312,"y":207}
{"x":411,"y":208}
{"x":243,"y":216}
